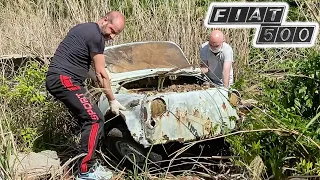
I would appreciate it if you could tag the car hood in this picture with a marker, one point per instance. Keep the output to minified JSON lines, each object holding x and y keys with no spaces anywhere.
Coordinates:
{"x":144,"y":57}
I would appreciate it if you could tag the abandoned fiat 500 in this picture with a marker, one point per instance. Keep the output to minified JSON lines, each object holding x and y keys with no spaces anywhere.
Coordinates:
{"x":166,"y":100}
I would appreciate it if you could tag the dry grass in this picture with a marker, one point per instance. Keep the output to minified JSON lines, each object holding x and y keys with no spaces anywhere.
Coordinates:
{"x":37,"y":27}
{"x":28,"y":28}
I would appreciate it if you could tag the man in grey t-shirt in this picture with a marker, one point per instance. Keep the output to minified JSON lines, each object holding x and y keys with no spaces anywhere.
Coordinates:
{"x":217,"y":59}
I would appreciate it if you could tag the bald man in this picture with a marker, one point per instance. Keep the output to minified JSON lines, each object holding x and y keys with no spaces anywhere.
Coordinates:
{"x":217,"y":59}
{"x":65,"y":78}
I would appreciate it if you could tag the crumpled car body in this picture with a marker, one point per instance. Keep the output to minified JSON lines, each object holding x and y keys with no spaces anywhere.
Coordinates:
{"x":165,"y":97}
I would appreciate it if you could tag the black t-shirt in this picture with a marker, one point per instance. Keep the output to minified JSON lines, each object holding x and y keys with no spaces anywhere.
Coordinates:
{"x":72,"y":56}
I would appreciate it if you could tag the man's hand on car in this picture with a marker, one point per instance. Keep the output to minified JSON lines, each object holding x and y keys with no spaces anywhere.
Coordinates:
{"x":115,"y":106}
{"x":204,"y":69}
{"x":200,"y":70}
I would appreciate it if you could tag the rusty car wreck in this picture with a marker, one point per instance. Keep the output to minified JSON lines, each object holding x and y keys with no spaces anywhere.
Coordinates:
{"x":167,"y":99}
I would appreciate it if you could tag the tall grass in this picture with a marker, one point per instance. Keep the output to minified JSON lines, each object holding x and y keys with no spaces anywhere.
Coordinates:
{"x":37,"y":26}
{"x":7,"y":145}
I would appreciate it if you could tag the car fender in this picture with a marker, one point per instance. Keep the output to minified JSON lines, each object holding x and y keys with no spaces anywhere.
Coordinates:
{"x":132,"y":116}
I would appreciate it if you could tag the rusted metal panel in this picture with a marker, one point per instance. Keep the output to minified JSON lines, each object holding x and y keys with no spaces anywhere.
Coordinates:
{"x":190,"y":115}
{"x":185,"y":117}
{"x":144,"y":55}
{"x":132,"y":115}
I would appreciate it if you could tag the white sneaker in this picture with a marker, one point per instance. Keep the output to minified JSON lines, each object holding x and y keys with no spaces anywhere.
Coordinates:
{"x":97,"y":172}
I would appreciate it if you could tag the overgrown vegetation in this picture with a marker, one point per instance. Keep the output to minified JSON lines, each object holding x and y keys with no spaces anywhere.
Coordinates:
{"x":291,"y":108}
{"x":286,"y":140}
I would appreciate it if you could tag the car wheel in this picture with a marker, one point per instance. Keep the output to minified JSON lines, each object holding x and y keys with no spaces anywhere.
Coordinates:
{"x":125,"y":148}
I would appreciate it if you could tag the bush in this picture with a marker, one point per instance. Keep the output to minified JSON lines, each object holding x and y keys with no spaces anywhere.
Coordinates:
{"x":33,"y":116}
{"x":288,"y":106}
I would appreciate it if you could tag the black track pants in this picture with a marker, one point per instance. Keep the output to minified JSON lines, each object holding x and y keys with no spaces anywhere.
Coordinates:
{"x":74,"y":96}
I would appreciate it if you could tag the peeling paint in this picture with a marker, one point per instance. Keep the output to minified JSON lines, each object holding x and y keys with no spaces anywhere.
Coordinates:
{"x":185,"y":116}
{"x":165,"y":137}
{"x":196,"y":113}
{"x":208,"y":126}
{"x":224,"y":106}
{"x":134,"y":103}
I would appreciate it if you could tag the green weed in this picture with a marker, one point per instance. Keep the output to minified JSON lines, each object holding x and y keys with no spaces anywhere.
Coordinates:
{"x":287,"y":104}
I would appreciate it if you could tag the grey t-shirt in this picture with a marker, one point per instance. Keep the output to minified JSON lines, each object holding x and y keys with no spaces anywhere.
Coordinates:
{"x":215,"y":62}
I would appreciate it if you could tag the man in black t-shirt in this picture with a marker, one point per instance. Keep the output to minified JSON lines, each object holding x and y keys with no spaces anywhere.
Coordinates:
{"x":67,"y":72}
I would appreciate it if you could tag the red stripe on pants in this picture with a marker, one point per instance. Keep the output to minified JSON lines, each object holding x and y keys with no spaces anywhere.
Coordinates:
{"x":67,"y":83}
{"x":92,"y":140}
